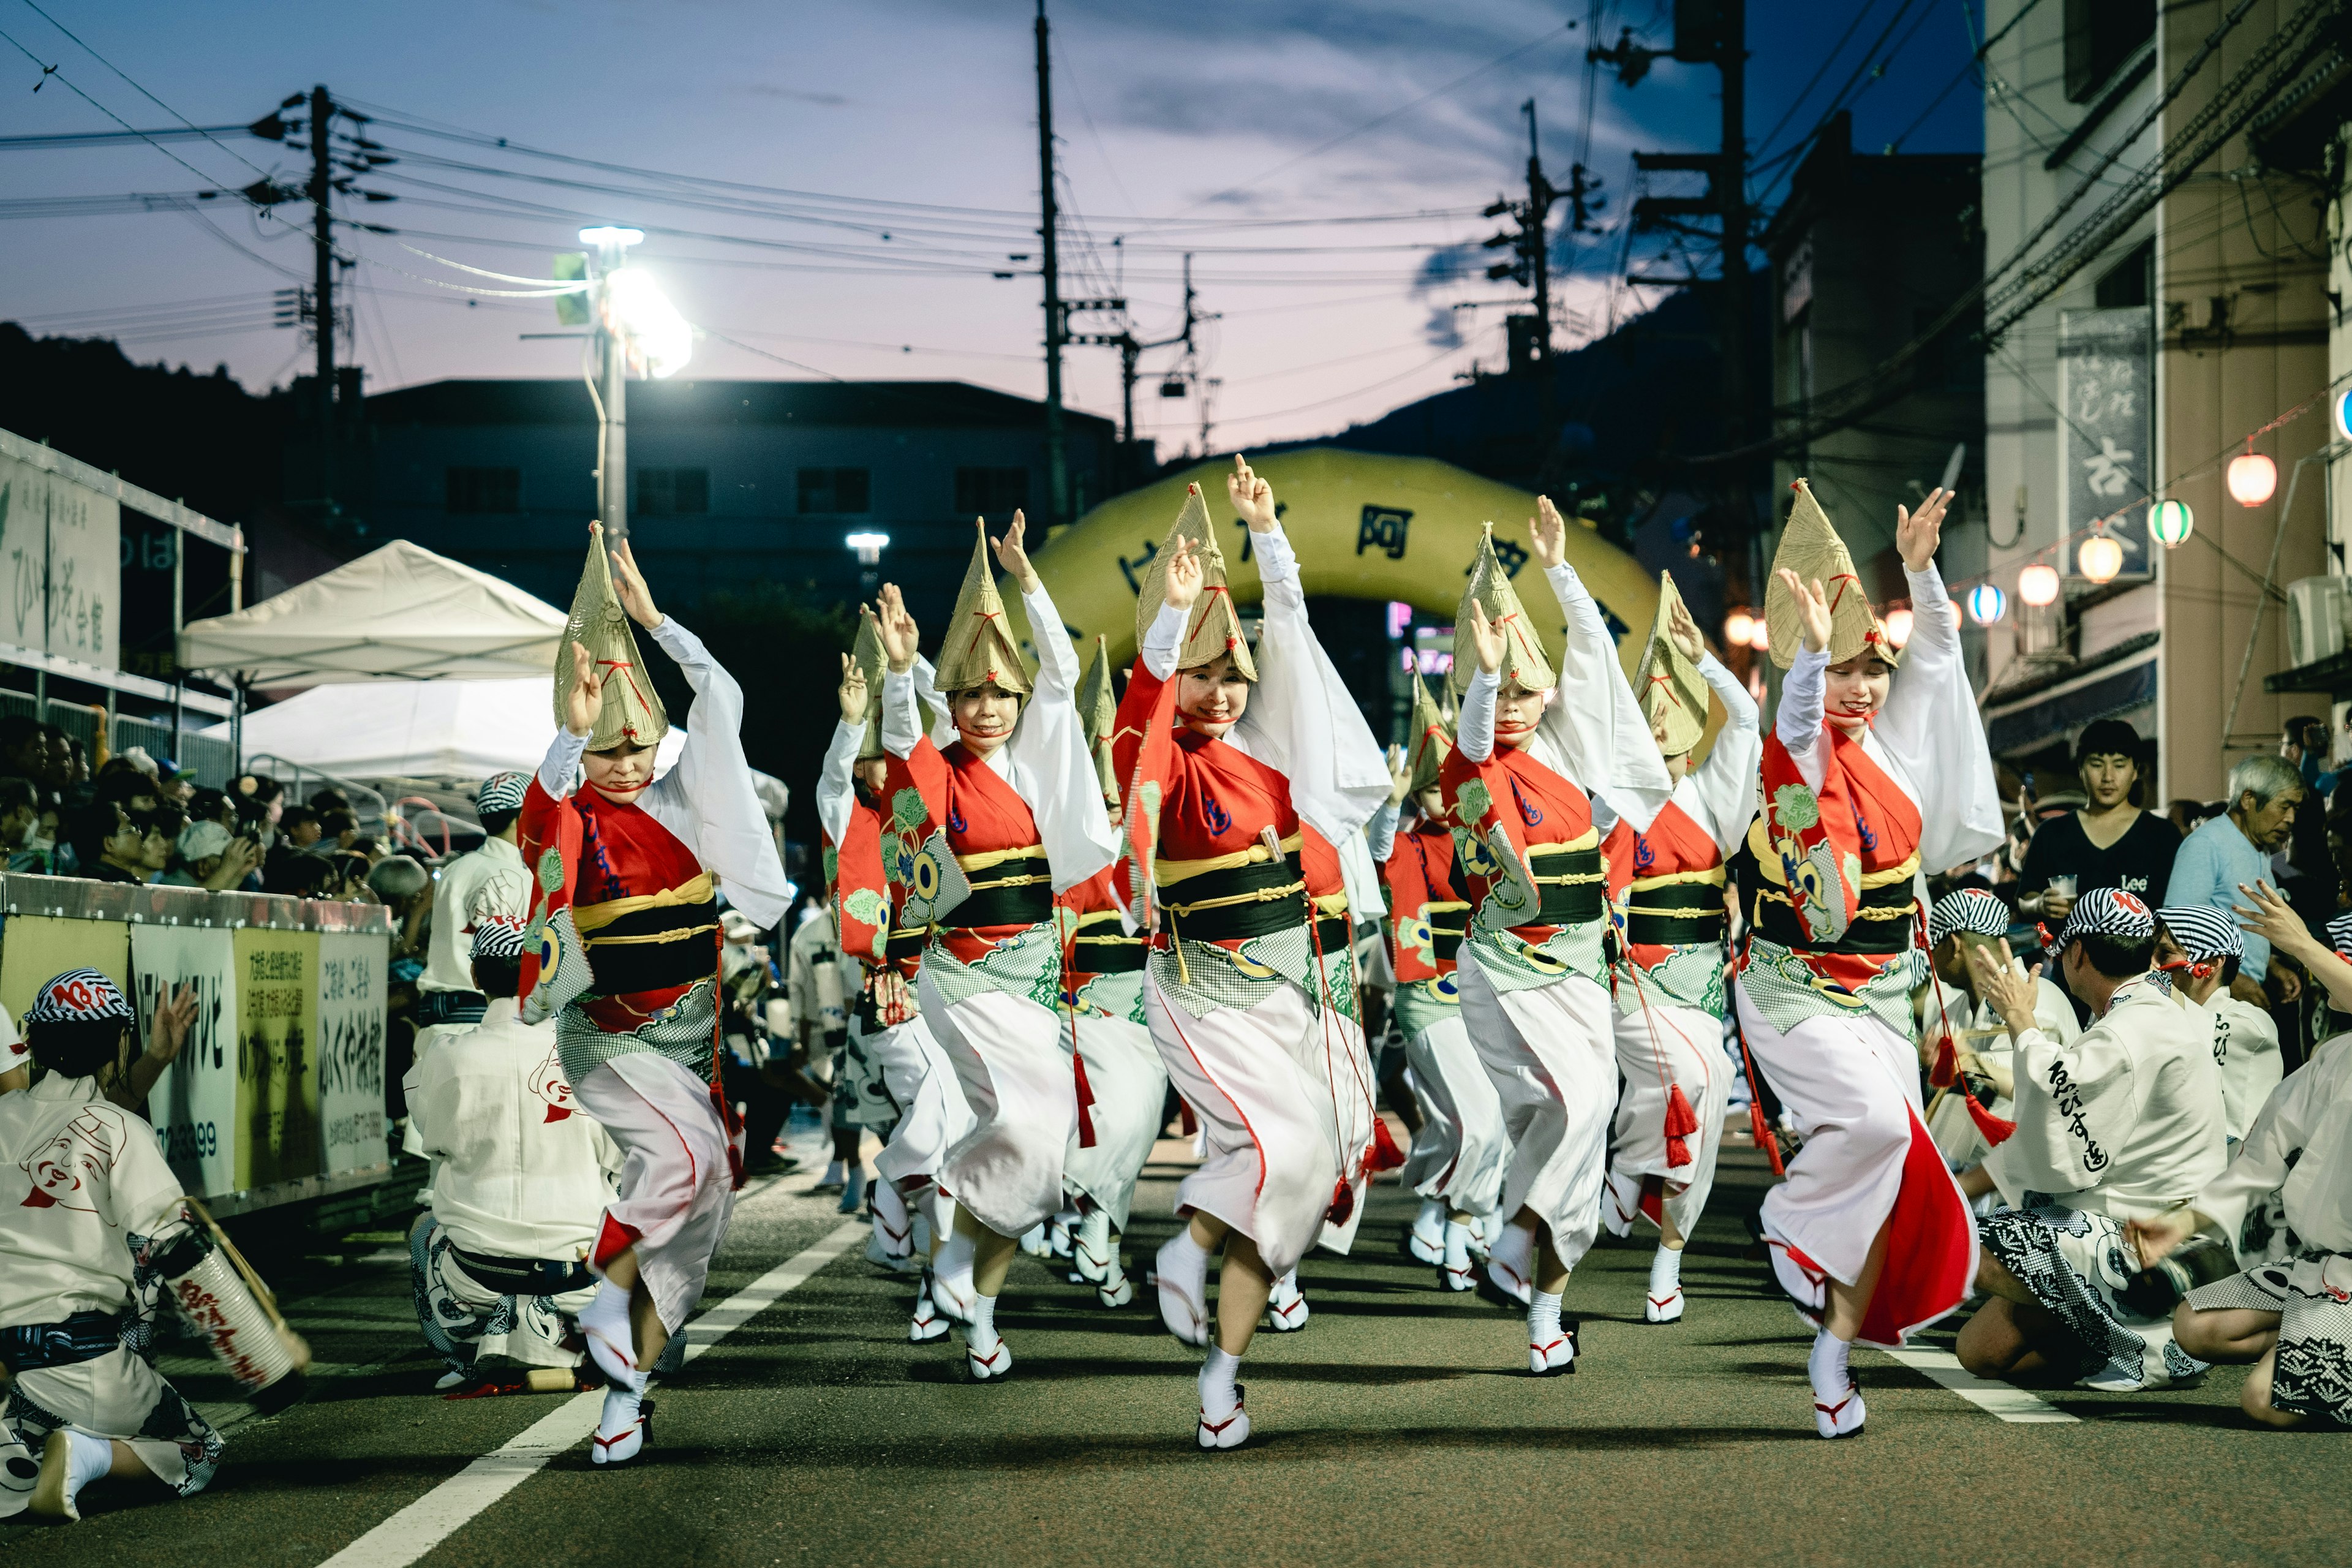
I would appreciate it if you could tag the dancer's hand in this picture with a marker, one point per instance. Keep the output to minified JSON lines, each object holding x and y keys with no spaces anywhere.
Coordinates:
{"x":1252,"y":497}
{"x":2155,"y":1239}
{"x":1183,"y":576}
{"x":1014,"y":559}
{"x":1489,"y":637}
{"x":176,"y":1014}
{"x":629,"y":585}
{"x":1684,"y":633}
{"x":1916,"y":534}
{"x":585,"y":700}
{"x":2007,"y":991}
{"x":852,"y":691}
{"x":1547,"y":531}
{"x":1400,"y":776}
{"x":900,"y":640}
{"x":1812,"y":609}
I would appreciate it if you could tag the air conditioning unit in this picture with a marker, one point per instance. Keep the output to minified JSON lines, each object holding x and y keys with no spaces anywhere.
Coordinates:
{"x":2316,"y":608}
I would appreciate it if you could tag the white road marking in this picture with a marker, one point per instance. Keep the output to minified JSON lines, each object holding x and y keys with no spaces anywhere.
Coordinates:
{"x":2000,"y":1399}
{"x":439,"y":1513}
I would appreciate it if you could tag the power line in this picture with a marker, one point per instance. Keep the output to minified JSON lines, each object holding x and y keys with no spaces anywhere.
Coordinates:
{"x":142,"y":92}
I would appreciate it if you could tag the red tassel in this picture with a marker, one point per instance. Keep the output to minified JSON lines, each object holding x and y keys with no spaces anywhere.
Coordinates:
{"x":1343,"y":1202}
{"x":1386,"y":1155}
{"x":1762,"y":1131}
{"x":1678,"y":1153}
{"x":1681,"y":1122}
{"x":1085,"y":1103}
{"x":1946,"y":1070}
{"x":1996,"y":1130}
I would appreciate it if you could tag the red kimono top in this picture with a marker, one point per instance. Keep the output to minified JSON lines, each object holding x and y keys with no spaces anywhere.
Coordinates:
{"x":1667,"y":886}
{"x":1428,"y":913}
{"x":966,"y":863}
{"x":860,"y":894}
{"x":1526,"y":838}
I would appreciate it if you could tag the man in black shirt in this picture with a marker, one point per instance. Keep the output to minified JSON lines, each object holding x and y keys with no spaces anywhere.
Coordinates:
{"x":2109,"y":843}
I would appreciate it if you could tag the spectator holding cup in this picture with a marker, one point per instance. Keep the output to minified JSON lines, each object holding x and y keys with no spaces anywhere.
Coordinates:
{"x":2109,"y":842}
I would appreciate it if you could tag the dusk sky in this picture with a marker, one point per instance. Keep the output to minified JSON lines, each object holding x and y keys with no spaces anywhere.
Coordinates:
{"x":1261,"y":136}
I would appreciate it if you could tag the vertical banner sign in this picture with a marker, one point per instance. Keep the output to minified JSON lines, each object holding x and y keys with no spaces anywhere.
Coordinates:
{"x":38,"y":948}
{"x":193,"y":1103}
{"x":278,"y":1078}
{"x":351,"y":1050}
{"x":61,"y":565}
{"x":2106,"y":390}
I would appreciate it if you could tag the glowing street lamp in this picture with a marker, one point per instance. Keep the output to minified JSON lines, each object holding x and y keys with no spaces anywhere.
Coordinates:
{"x":869,"y":547}
{"x":1737,"y":627}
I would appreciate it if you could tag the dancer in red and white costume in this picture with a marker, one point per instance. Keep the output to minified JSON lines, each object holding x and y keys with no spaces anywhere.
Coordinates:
{"x":1668,"y":886}
{"x":911,"y":1215}
{"x":983,"y":837}
{"x":1229,"y":833}
{"x":625,"y":919}
{"x":1522,"y":783}
{"x":1868,"y":779}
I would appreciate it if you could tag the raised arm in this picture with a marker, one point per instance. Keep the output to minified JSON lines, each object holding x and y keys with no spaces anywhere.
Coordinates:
{"x":902,"y":718}
{"x":836,"y":787}
{"x":1596,"y":722}
{"x":1058,"y":662}
{"x":1805,"y":691}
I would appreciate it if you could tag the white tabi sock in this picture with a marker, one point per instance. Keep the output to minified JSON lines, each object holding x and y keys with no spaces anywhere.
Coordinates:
{"x":1217,"y":1395}
{"x":981,"y":1332}
{"x":1457,"y":1248}
{"x":88,"y":1457}
{"x":954,"y":1260}
{"x":1192,"y":1255}
{"x":1666,"y":1273}
{"x":612,"y":1337}
{"x":832,"y":1175}
{"x":1516,"y":1249}
{"x":1832,"y":1380}
{"x":1543,"y":1317}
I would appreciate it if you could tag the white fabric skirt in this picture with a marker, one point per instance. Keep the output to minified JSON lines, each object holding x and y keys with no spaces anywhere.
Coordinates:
{"x":1012,"y":1058}
{"x":1852,"y":1086}
{"x":677,"y":1187}
{"x":932,"y":1114}
{"x":1687,"y":1044}
{"x":1461,"y":1151}
{"x":1338,"y":1052}
{"x":1130,"y":1089}
{"x":1272,"y":1142}
{"x":1547,"y":1051}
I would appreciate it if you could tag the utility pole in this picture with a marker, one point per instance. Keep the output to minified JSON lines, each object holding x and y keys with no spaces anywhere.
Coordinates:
{"x":1058,"y":476}
{"x":612,"y":382}
{"x":1531,"y":266}
{"x":1131,"y":349}
{"x":323,"y":186}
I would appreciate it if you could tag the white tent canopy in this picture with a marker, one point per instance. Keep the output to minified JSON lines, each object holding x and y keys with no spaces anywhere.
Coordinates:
{"x":401,"y":612}
{"x":427,"y":730}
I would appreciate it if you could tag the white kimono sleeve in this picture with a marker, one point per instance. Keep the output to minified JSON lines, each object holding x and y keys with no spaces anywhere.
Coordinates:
{"x":2076,"y":1105}
{"x":561,"y":767}
{"x":708,"y":799}
{"x":1804,"y":698}
{"x":1931,"y":727}
{"x":836,"y":793}
{"x":1726,"y":780}
{"x":1595,"y":721}
{"x":1047,"y":760}
{"x":1302,"y":721}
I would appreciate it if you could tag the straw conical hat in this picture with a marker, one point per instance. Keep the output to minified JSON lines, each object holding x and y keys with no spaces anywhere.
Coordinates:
{"x":1099,"y":711}
{"x":1811,"y":549}
{"x":632,"y":712}
{"x":1431,"y":741}
{"x":978,"y":650}
{"x":1668,"y":683}
{"x":1215,"y":626}
{"x":1522,"y":653}
{"x":868,"y":656}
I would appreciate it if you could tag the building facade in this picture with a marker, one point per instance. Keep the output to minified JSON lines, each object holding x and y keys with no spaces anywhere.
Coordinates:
{"x":2158,"y":305}
{"x":732,"y":484}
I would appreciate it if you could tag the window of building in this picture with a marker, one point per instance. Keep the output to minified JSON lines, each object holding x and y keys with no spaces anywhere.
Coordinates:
{"x":484,"y":489}
{"x":673,"y":492}
{"x":2130,"y":281}
{"x":991,"y":492}
{"x":830,"y":490}
{"x":2101,"y":34}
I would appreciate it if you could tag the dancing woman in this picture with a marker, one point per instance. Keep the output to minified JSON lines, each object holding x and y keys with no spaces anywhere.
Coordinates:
{"x":982,"y":838}
{"x":1868,"y":780}
{"x":1521,"y":784}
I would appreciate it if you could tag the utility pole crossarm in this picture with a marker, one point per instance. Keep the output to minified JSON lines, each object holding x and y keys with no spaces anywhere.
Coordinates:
{"x":1057,"y":478}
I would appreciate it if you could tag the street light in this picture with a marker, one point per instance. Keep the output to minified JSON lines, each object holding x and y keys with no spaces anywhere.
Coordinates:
{"x":869,"y":547}
{"x":659,"y":340}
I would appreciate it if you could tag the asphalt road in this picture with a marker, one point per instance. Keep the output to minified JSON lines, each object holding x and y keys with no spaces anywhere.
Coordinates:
{"x":1399,"y":1427}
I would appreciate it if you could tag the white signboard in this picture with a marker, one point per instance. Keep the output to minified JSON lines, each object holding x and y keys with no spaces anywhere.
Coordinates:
{"x":2107,"y":385}
{"x":193,"y":1103}
{"x":60,"y":566}
{"x":351,"y":1051}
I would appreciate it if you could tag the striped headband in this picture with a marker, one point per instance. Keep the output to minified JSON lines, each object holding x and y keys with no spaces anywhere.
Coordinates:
{"x":1971,"y":910}
{"x":79,"y":997}
{"x":498,"y":936}
{"x":2203,"y":931}
{"x":2109,"y":911}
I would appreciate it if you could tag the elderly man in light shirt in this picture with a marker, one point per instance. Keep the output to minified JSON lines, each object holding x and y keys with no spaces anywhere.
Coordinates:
{"x":492,"y":880}
{"x":2233,"y":851}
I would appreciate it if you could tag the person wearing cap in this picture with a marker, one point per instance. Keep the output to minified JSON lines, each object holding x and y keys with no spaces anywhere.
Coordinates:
{"x":1666,"y":886}
{"x":1461,"y":1150}
{"x":2200,"y":948}
{"x":1528,"y":783}
{"x":1248,"y":777}
{"x":206,"y":856}
{"x":912,"y":1217}
{"x":625,"y":870}
{"x":984,"y":834}
{"x":1950,"y":1007}
{"x":478,"y":885}
{"x":520,"y":1182}
{"x":1870,"y":777}
{"x":2109,"y":842}
{"x":88,"y":1200}
{"x":2122,"y":1123}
